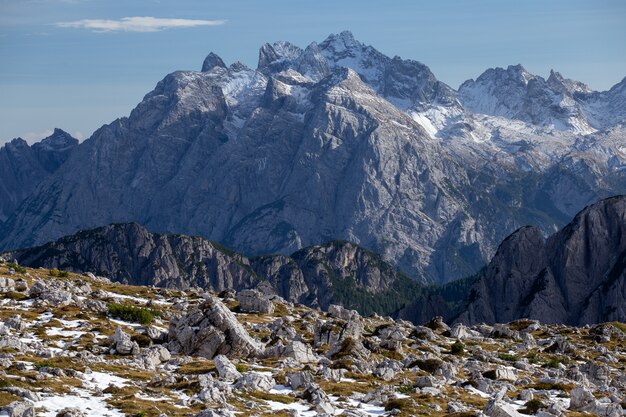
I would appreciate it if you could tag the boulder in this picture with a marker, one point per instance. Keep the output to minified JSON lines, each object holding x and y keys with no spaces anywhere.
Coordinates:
{"x":322,"y":404}
{"x":156,"y":334}
{"x":154,"y":356}
{"x":16,"y":323}
{"x":255,"y":381}
{"x":214,"y":392}
{"x":300,"y":351}
{"x":498,"y":408}
{"x":438,"y":325}
{"x":580,"y":397}
{"x":299,"y":379}
{"x":18,"y":409}
{"x":340,"y":312}
{"x":334,"y":332}
{"x":23,"y":393}
{"x":211,"y":329}
{"x":253,"y":301}
{"x":71,"y":412}
{"x":123,"y":344}
{"x":7,"y":284}
{"x":225,"y":368}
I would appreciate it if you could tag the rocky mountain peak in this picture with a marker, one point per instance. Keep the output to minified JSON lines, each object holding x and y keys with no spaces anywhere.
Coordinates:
{"x":342,"y":45}
{"x":211,"y":61}
{"x":565,"y":85}
{"x":577,"y":276}
{"x":23,"y":167}
{"x":58,"y":140}
{"x":277,"y":56}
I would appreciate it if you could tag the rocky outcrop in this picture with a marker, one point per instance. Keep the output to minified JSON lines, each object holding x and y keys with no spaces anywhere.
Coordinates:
{"x":211,"y":329}
{"x":576,"y":276}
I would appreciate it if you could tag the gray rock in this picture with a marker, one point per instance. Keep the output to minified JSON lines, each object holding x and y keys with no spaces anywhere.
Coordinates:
{"x":497,"y":408}
{"x":23,"y":393}
{"x":255,"y":381}
{"x":300,"y":379}
{"x":225,"y":368}
{"x":339,"y":312}
{"x":334,"y":332}
{"x":505,"y":374}
{"x":214,"y":392}
{"x":123,"y":344}
{"x":16,"y":323}
{"x":319,"y":399}
{"x":427,"y":381}
{"x":380,"y":395}
{"x":300,"y":351}
{"x":71,"y":412}
{"x":253,"y":301}
{"x":156,"y":334}
{"x":19,"y":409}
{"x":580,"y":397}
{"x":154,"y":356}
{"x":7,"y":284}
{"x":211,"y":329}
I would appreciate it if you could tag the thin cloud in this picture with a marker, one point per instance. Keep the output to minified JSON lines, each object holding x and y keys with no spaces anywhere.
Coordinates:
{"x":137,"y":24}
{"x":33,"y":137}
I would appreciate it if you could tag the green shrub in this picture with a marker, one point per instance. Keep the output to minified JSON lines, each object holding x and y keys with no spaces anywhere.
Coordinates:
{"x":508,"y":357}
{"x":18,"y":269}
{"x":54,"y":272}
{"x":241,"y":367}
{"x":405,"y":389}
{"x":132,"y":313}
{"x":554,"y":362}
{"x":457,"y":348}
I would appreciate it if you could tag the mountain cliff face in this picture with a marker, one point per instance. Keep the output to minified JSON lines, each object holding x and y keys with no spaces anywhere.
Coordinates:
{"x":22,"y":167}
{"x":338,"y":141}
{"x":337,"y":272}
{"x":576,"y":276}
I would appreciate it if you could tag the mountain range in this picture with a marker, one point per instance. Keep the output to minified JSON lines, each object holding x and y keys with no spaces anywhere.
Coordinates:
{"x":337,"y":141}
{"x":576,"y":276}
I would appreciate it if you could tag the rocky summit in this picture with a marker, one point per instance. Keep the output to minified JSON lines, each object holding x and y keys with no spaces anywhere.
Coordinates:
{"x":575,"y":276}
{"x":338,"y":141}
{"x":79,"y":345}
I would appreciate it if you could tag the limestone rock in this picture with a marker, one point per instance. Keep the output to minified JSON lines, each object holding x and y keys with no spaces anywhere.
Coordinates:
{"x":255,"y":381}
{"x":225,"y":368}
{"x":252,"y":301}
{"x":123,"y":344}
{"x":209,"y":330}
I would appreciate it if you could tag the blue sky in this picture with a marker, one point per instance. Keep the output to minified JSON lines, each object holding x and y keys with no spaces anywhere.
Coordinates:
{"x":78,"y":64}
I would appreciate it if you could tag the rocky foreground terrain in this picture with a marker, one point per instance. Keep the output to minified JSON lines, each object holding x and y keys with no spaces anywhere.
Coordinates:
{"x":76,"y":345}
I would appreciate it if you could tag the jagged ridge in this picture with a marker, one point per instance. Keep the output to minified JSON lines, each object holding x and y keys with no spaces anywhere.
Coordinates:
{"x":337,"y":272}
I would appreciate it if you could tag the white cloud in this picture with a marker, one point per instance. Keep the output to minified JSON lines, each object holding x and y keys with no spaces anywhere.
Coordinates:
{"x":32,"y":137}
{"x":137,"y":24}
